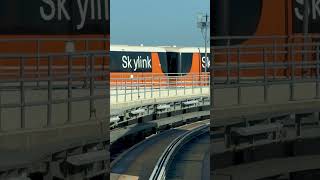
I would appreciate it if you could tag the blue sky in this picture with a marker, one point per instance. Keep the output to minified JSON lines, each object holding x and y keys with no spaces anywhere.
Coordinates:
{"x":156,"y":22}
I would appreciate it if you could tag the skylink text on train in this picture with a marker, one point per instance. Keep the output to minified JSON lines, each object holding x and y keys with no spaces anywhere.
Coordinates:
{"x":60,"y":10}
{"x":137,"y":63}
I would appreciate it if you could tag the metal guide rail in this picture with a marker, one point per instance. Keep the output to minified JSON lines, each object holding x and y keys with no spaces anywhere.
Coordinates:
{"x":276,"y":59}
{"x":149,"y":86}
{"x":161,"y":168}
{"x":53,"y":114}
{"x":37,"y":52}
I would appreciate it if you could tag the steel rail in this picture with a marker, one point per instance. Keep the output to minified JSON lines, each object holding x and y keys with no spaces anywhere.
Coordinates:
{"x":159,"y":172}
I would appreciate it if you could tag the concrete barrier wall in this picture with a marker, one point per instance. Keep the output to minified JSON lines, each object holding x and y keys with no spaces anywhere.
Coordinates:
{"x":255,"y":95}
{"x":36,"y":116}
{"x":295,"y":148}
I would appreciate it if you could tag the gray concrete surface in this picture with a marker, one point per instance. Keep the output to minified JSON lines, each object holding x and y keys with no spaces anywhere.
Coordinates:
{"x":192,"y":161}
{"x":268,"y":168}
{"x":234,"y":114}
{"x":255,"y":95}
{"x":20,"y":146}
{"x":36,"y":116}
{"x":132,"y":129}
{"x":218,"y":145}
{"x":140,"y":161}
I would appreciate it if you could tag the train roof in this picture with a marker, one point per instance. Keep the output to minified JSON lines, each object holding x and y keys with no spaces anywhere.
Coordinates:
{"x":136,"y":48}
{"x":193,"y":49}
{"x":185,"y":49}
{"x":171,"y":48}
{"x":157,"y":49}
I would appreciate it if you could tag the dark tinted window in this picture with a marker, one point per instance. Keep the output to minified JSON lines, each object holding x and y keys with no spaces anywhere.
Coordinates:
{"x":235,"y":18}
{"x":186,"y":62}
{"x":163,"y":62}
{"x":173,"y":62}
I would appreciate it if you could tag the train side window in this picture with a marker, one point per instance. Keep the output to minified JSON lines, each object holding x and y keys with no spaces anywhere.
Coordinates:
{"x":172,"y":62}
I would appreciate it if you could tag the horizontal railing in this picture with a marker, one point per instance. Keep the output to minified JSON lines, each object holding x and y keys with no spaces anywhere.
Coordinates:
{"x":45,"y":80}
{"x":274,"y":60}
{"x":58,"y":44}
{"x":292,"y":61}
{"x":158,"y":85}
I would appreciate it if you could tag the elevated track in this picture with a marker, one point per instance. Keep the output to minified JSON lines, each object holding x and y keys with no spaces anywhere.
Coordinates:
{"x":261,"y":122}
{"x":143,"y":159}
{"x":53,"y":123}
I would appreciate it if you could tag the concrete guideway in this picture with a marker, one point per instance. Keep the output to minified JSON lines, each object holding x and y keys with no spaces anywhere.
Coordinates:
{"x":252,"y":94}
{"x":53,"y":116}
{"x":296,"y":113}
{"x":39,"y":140}
{"x":218,"y":145}
{"x":193,"y":160}
{"x":236,"y":114}
{"x":141,"y":160}
{"x":132,"y":129}
{"x":123,"y":177}
{"x":265,"y":108}
{"x":36,"y":106}
{"x":165,"y":97}
{"x":163,"y":164}
{"x":268,"y":168}
{"x":128,"y":119}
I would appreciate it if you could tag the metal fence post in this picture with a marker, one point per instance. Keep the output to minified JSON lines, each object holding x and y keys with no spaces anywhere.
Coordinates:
{"x":185,"y":85}
{"x":160,"y":79}
{"x":151,"y":86}
{"x":176,"y":84}
{"x":145,"y":87}
{"x":318,"y":72}
{"x":92,"y":76}
{"x":238,"y":77}
{"x":200,"y":83}
{"x":38,"y":63}
{"x":0,"y":110}
{"x":86,"y":79}
{"x":117,"y":93}
{"x":69,"y":59}
{"x":168,"y":85}
{"x":131,"y":88}
{"x":192,"y":83}
{"x":292,"y":73}
{"x":125,"y":90}
{"x":138,"y":87}
{"x":22,"y":93}
{"x":49,"y":106}
{"x":209,"y":81}
{"x":265,"y":76}
{"x":228,"y":62}
{"x":274,"y":59}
